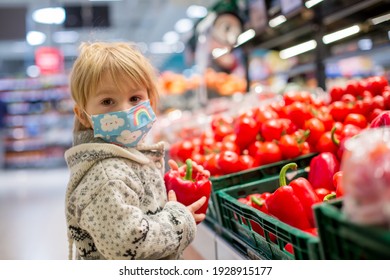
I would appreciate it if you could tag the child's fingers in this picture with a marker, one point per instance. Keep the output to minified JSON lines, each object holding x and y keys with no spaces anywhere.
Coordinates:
{"x":199,"y":217}
{"x":197,"y":204}
{"x":172,"y":196}
{"x":173,"y":165}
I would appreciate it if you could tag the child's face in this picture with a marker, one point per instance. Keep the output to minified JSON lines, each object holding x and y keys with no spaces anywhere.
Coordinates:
{"x":111,"y":97}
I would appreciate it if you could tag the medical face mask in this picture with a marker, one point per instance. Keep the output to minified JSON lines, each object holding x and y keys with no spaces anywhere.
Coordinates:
{"x":126,"y":128}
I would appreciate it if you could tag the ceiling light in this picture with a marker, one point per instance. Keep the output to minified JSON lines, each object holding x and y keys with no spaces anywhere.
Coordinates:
{"x":49,"y":15}
{"x":365,"y":44}
{"x":196,"y":11}
{"x":245,"y":36}
{"x":65,"y":37}
{"x":380,"y":19}
{"x":184,"y":25}
{"x":298,"y":49}
{"x":341,"y":34}
{"x":277,"y":21}
{"x":35,"y":38}
{"x":312,"y":3}
{"x":171,"y":37}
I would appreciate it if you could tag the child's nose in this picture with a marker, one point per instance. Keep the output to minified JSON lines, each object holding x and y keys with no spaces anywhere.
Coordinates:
{"x":124,"y":106}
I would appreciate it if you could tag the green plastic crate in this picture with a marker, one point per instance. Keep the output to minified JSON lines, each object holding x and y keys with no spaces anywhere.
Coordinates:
{"x":238,"y":219}
{"x":345,"y":240}
{"x":246,"y":176}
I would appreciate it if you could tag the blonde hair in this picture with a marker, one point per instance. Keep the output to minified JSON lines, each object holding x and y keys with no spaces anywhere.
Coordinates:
{"x":116,"y":59}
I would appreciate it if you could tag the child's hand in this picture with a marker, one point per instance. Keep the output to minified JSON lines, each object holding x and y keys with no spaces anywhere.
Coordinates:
{"x":182,"y":169}
{"x":193,"y":207}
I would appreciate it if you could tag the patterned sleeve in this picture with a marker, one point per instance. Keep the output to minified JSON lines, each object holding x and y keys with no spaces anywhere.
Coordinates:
{"x":120,"y":229}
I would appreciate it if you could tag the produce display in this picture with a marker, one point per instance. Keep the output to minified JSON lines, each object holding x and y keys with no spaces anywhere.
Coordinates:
{"x":298,"y":123}
{"x":284,"y":128}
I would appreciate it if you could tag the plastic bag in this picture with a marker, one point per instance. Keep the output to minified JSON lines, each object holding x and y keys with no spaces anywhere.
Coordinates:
{"x":366,"y":177}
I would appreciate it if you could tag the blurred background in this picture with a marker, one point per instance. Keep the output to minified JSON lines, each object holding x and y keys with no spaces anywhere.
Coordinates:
{"x":211,"y":56}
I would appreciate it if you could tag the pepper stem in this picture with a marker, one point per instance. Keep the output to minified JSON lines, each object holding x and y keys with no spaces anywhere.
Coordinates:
{"x":188,"y":175}
{"x":282,"y":174}
{"x":333,"y":135}
{"x":329,"y":197}
{"x":257,"y":201}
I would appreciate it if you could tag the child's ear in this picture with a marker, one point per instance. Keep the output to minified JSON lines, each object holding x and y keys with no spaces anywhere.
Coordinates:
{"x":81,"y":116}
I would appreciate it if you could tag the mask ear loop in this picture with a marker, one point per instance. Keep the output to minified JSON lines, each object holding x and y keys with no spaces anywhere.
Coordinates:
{"x":89,"y":117}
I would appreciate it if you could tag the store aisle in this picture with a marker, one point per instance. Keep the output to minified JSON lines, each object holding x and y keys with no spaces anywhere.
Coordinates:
{"x":32,"y":217}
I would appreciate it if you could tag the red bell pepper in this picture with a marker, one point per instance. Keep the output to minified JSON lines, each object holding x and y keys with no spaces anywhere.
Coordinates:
{"x":285,"y":204}
{"x":307,"y":196}
{"x":322,"y":193}
{"x":322,"y":168}
{"x":190,"y":188}
{"x":383,"y":119}
{"x":290,"y":248}
{"x":258,"y":201}
{"x":338,"y":184}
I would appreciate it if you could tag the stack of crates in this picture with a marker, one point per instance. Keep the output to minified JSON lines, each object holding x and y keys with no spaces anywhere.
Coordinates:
{"x":262,"y":234}
{"x":342,"y":239}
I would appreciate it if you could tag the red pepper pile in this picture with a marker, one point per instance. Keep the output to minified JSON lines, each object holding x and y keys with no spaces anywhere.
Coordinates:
{"x":298,"y":124}
{"x":190,"y":186}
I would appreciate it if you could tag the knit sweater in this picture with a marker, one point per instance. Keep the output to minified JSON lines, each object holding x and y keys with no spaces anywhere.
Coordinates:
{"x":116,"y":203}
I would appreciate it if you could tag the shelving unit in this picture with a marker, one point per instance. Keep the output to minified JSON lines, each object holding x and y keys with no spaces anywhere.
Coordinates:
{"x":304,"y":24}
{"x":38,"y":121}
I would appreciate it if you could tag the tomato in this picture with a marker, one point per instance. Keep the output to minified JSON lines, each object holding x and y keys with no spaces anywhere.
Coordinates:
{"x":356,"y":119}
{"x":211,"y":165}
{"x":298,"y":112}
{"x":348,"y":98}
{"x":229,"y":146}
{"x":305,"y":148}
{"x":349,"y":130}
{"x":221,"y":131}
{"x":301,"y":96}
{"x":337,"y":183}
{"x":184,"y":150}
{"x":218,"y":120}
{"x":173,"y":150}
{"x":316,"y":128}
{"x":289,"y":146}
{"x":263,"y":114}
{"x":326,"y":118}
{"x":376,"y":84}
{"x":198,"y":158}
{"x":354,"y":88}
{"x":386,"y":99}
{"x":246,"y":130}
{"x":322,"y":192}
{"x":336,"y":93}
{"x":245,"y":162}
{"x":339,"y":110}
{"x":268,"y":152}
{"x":325,"y":144}
{"x":254,"y":147}
{"x":376,"y":112}
{"x":378,"y":102}
{"x":227,"y":162}
{"x":272,"y":129}
{"x":206,"y":145}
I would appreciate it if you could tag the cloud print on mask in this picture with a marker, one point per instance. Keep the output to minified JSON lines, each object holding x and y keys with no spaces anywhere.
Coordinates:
{"x":110,"y":123}
{"x":128,"y":137}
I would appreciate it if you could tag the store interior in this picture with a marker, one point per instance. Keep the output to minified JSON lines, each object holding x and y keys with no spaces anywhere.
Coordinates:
{"x":211,"y":56}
